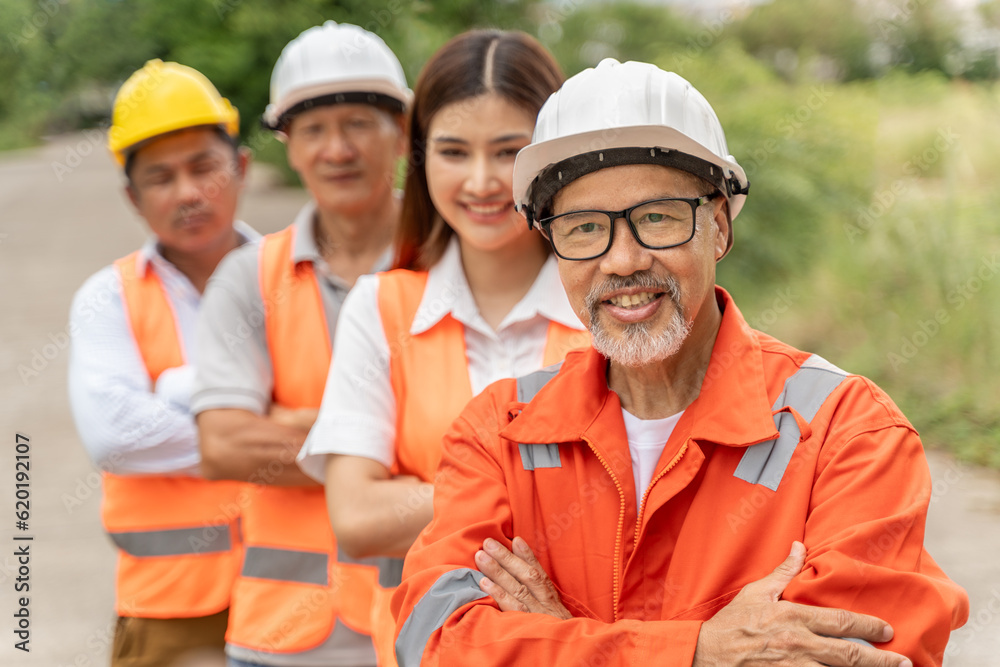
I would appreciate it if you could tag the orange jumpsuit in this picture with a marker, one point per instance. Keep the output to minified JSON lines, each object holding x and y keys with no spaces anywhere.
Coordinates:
{"x":640,"y":581}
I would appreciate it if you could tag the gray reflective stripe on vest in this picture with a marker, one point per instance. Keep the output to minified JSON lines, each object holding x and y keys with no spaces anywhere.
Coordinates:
{"x":537,"y":455}
{"x":805,"y":392}
{"x":304,"y":567}
{"x":174,"y":542}
{"x":449,"y":593}
{"x":390,"y":572}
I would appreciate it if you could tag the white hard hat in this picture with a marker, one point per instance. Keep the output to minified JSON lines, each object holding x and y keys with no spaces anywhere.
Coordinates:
{"x":631,"y":113}
{"x":331,"y":64}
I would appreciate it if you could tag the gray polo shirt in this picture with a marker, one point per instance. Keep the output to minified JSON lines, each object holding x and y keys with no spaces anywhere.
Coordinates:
{"x":234,"y":366}
{"x":234,"y":371}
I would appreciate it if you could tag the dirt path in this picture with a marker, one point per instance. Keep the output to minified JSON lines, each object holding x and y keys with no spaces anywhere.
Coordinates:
{"x":62,"y":217}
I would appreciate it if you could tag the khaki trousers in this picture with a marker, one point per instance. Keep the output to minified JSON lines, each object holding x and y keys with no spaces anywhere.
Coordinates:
{"x":170,"y":642}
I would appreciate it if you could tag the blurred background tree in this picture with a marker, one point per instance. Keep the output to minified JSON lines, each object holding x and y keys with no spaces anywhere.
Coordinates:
{"x":870,"y":131}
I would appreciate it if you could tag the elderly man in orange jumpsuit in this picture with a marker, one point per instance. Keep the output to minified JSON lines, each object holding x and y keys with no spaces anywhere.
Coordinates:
{"x":660,"y":476}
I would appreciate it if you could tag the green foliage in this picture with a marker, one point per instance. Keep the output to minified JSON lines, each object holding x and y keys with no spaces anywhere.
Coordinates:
{"x":85,"y":49}
{"x":802,"y":39}
{"x":927,"y":40}
{"x":623,"y":31}
{"x":25,"y":50}
{"x":907,"y":287}
{"x":834,"y":39}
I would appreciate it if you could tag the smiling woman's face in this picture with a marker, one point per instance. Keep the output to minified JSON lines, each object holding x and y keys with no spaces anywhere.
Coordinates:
{"x":471,"y":145}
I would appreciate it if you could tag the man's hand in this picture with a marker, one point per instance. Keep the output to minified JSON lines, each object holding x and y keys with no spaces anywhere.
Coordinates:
{"x":757,"y":628}
{"x":517,"y":581}
{"x":301,"y":418}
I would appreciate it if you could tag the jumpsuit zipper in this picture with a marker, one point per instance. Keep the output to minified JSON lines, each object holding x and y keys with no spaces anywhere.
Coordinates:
{"x":621,"y":526}
{"x":645,"y":494}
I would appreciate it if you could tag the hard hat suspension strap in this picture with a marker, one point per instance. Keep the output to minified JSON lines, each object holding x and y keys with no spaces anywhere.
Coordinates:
{"x":556,"y":176}
{"x":385,"y":102}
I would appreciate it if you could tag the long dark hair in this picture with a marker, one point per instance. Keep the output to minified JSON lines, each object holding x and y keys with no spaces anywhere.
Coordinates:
{"x":511,"y":64}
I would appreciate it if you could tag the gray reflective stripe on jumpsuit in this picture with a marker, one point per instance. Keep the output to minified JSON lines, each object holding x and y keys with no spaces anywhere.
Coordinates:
{"x":805,"y":392}
{"x":765,"y":463}
{"x":537,"y":456}
{"x":451,"y":591}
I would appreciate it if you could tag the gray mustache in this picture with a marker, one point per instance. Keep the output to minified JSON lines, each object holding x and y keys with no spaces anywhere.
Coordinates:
{"x":645,"y":281}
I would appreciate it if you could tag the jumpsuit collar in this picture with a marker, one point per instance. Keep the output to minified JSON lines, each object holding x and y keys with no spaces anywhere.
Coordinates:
{"x":732,"y":408}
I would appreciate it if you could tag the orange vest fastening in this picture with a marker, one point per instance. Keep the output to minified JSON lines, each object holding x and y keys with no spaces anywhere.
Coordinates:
{"x":291,"y":589}
{"x":434,"y":363}
{"x":177,"y":536}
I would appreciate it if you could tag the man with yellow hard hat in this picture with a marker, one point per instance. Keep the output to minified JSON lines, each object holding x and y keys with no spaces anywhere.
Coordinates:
{"x":131,"y":367}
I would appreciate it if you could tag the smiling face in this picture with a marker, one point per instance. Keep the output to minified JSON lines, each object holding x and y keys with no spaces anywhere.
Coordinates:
{"x":186,"y":185}
{"x":471,"y":147}
{"x":642,"y":305}
{"x":346,"y":155}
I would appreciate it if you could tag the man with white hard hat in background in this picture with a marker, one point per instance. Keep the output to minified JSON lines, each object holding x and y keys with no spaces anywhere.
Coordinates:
{"x":131,"y":367}
{"x":637,"y":500}
{"x":338,"y":102}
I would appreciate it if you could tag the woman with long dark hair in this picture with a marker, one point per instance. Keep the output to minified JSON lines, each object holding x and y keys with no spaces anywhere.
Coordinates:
{"x":475,"y":298}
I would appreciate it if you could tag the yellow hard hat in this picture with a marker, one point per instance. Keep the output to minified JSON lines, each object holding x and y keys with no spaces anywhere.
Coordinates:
{"x":164,"y":97}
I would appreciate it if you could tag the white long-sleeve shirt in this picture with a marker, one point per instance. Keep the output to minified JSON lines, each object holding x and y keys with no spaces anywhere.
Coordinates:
{"x":127,"y":425}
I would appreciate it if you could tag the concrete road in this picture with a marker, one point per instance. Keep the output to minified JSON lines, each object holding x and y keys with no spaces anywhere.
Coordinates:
{"x":62,"y":217}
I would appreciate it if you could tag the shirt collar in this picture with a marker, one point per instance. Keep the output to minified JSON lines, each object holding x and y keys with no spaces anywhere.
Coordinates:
{"x":447,"y":292}
{"x":150,"y":253}
{"x":304,"y":249}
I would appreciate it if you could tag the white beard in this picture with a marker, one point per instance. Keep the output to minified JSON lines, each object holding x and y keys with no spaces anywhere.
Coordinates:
{"x":637,"y":345}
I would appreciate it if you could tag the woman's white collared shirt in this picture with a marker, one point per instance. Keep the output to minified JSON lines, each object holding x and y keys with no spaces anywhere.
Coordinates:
{"x":358,"y":413}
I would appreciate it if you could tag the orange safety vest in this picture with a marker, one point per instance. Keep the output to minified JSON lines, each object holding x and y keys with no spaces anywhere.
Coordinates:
{"x":177,"y":536}
{"x":292,"y":589}
{"x":423,"y":416}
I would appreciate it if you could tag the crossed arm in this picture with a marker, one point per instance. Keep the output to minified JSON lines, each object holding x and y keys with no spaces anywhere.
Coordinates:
{"x":757,"y":627}
{"x":243,"y":435}
{"x":473,"y":503}
{"x":241,"y":445}
{"x":128,"y":425}
{"x":372,"y":512}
